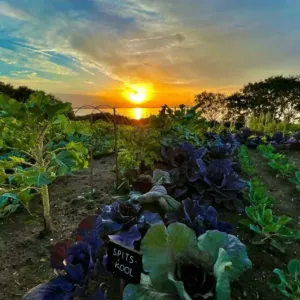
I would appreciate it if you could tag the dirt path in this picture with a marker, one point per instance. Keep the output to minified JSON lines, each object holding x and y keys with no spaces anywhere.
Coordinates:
{"x":24,"y":257}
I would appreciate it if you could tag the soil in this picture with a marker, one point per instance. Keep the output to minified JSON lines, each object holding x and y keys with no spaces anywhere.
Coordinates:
{"x":25,"y":257}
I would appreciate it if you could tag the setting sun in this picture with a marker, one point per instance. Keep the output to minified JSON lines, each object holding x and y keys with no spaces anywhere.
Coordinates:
{"x":137,"y":93}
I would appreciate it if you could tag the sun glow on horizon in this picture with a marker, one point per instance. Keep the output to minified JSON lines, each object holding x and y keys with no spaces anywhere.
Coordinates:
{"x":137,"y":94}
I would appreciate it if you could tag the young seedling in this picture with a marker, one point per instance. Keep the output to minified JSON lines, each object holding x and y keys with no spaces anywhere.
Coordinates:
{"x":287,"y":283}
{"x":258,"y":193}
{"x":271,"y":228}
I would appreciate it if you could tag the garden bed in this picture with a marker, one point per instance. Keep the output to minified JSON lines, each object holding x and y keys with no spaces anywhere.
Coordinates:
{"x":25,"y":257}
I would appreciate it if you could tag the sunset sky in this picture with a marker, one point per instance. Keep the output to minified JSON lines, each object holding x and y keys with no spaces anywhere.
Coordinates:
{"x":91,"y":51}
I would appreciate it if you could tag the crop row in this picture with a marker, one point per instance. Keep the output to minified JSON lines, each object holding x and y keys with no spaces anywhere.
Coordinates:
{"x":270,"y":228}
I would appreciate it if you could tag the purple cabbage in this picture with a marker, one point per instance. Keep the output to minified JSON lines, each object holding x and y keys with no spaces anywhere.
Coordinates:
{"x":224,"y":184}
{"x":127,"y":238}
{"x":185,"y":168}
{"x":220,"y":149}
{"x":60,"y":288}
{"x":198,"y":217}
{"x":115,"y":216}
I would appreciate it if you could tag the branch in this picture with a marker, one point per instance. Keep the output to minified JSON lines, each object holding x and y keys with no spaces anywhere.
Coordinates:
{"x":27,"y":164}
{"x":22,"y":151}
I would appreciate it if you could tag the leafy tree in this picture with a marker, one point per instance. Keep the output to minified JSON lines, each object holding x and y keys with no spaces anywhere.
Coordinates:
{"x":213,"y":106}
{"x":29,"y":128}
{"x":278,"y":96}
{"x":21,"y":93}
{"x":7,"y":89}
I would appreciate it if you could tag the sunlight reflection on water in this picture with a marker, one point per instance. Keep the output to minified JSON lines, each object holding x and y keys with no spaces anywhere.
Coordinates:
{"x":132,"y":113}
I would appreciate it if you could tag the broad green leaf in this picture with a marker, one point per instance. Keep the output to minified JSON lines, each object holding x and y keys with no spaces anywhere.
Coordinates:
{"x":294,"y":268}
{"x":161,"y":177}
{"x":161,"y":247}
{"x":290,"y":233}
{"x":297,"y":175}
{"x":158,"y":194}
{"x":4,"y":199}
{"x":144,"y":291}
{"x":222,"y":269}
{"x":283,"y":220}
{"x":61,"y":120}
{"x":179,"y":288}
{"x":79,"y":147}
{"x":32,"y":177}
{"x":255,"y":229}
{"x":270,"y":228}
{"x":268,"y":215}
{"x":281,"y":275}
{"x":212,"y":241}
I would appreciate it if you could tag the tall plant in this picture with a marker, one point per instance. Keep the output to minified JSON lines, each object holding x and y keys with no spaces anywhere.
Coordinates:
{"x":29,"y":128}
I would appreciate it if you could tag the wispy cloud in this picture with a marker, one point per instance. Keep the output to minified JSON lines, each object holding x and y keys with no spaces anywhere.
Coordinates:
{"x":84,"y":46}
{"x":13,"y":12}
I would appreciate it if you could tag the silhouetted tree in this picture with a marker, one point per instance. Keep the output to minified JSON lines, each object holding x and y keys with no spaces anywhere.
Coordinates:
{"x":213,"y":106}
{"x":22,"y":93}
{"x":7,"y":89}
{"x":278,"y":96}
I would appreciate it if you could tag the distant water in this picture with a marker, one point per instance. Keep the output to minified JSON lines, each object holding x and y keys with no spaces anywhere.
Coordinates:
{"x":132,"y":113}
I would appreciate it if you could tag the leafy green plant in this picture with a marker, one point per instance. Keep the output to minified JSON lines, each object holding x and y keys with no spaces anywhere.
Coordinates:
{"x":246,"y":165}
{"x":285,"y":169}
{"x":296,"y":180}
{"x":288,"y":283}
{"x":271,"y":228}
{"x":138,"y":145}
{"x":179,"y":125}
{"x":181,"y":265}
{"x":277,"y":161}
{"x":28,"y":129}
{"x":267,"y":151}
{"x":258,"y":194}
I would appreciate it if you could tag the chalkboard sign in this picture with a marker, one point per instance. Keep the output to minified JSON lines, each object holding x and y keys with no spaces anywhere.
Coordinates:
{"x":124,"y":262}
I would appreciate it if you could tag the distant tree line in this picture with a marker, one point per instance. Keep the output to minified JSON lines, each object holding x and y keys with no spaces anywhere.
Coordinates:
{"x":278,"y":96}
{"x":21,"y":93}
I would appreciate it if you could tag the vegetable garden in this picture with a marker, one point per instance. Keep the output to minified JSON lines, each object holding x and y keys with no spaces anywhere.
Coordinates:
{"x":213,"y":211}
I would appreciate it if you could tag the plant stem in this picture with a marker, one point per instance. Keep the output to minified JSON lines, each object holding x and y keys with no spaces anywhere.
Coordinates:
{"x":46,"y":205}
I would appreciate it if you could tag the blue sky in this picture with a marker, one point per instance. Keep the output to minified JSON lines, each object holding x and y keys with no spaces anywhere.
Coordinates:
{"x":75,"y":48}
